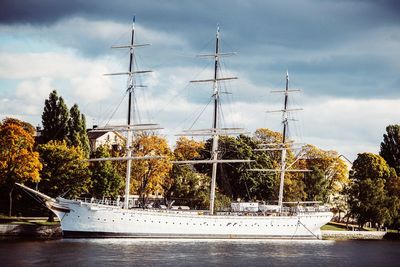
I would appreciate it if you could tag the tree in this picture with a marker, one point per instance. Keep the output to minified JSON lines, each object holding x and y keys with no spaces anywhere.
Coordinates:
{"x":188,"y":187}
{"x":77,"y":135}
{"x":390,"y":147}
{"x":228,"y":175}
{"x":329,"y":174}
{"x":366,"y":195}
{"x":18,"y":161}
{"x":64,"y":170}
{"x":315,"y":184}
{"x":105,"y":178}
{"x":293,"y":183}
{"x":235,"y":180}
{"x":150,"y":176}
{"x":54,"y":119}
{"x":187,"y":149}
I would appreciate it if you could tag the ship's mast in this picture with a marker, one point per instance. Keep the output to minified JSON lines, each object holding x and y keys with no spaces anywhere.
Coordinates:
{"x":131,"y":88}
{"x":284,"y":132}
{"x":131,"y":125}
{"x":216,"y":129}
{"x":214,"y":151}
{"x":284,"y":145}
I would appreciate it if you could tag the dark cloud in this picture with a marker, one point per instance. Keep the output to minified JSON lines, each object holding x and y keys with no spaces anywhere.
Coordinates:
{"x":270,"y":36}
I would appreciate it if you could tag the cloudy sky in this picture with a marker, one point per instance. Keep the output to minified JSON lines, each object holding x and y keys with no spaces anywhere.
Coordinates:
{"x":344,"y":55}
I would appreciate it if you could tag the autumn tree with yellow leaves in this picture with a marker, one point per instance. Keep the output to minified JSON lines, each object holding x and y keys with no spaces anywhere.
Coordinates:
{"x":329,"y":173}
{"x":18,"y":160}
{"x":150,"y":176}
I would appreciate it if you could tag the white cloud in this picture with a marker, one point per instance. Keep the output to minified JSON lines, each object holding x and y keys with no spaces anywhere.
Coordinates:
{"x":54,"y":58}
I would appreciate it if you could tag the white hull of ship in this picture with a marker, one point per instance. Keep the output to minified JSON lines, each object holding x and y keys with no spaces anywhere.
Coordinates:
{"x":93,"y":220}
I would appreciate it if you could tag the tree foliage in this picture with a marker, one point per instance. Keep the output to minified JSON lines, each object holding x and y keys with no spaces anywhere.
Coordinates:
{"x":64,"y":170}
{"x":328,"y":176}
{"x":150,"y":176}
{"x":234,"y":180}
{"x":77,"y":135}
{"x":187,"y":149}
{"x":188,"y":187}
{"x":390,"y":147}
{"x":369,"y":193}
{"x":18,"y":161}
{"x":106,"y":181}
{"x":55,"y":118}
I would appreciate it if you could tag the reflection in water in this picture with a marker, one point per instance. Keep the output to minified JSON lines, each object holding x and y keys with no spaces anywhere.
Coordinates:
{"x":185,"y":252}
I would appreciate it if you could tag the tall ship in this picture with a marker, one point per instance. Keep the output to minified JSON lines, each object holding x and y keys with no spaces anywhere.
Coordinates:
{"x":245,"y":220}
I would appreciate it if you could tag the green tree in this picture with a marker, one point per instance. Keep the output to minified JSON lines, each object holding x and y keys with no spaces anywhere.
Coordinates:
{"x":105,"y":178}
{"x":64,"y":170}
{"x":367,"y":195}
{"x":315,"y":185}
{"x":18,"y":161}
{"x":293,"y":183}
{"x":228,"y":175}
{"x":77,"y":135}
{"x":188,"y":186}
{"x":235,"y":180}
{"x":390,"y":147}
{"x":255,"y":184}
{"x":55,"y":119}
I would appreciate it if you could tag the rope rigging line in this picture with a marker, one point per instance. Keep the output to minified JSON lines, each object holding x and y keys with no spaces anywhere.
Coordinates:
{"x":308,"y":229}
{"x":116,"y":109}
{"x":197,"y":118}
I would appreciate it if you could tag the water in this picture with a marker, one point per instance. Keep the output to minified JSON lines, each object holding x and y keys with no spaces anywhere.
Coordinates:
{"x":145,"y":252}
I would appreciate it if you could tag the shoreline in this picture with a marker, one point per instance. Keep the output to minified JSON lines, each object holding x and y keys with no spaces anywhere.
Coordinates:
{"x":49,"y":232}
{"x":36,"y":231}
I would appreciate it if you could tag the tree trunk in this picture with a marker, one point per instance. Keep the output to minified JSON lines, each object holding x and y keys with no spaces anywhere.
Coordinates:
{"x":10,"y":195}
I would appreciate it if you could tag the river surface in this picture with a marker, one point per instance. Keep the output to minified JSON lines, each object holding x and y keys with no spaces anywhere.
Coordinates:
{"x":145,"y":252}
